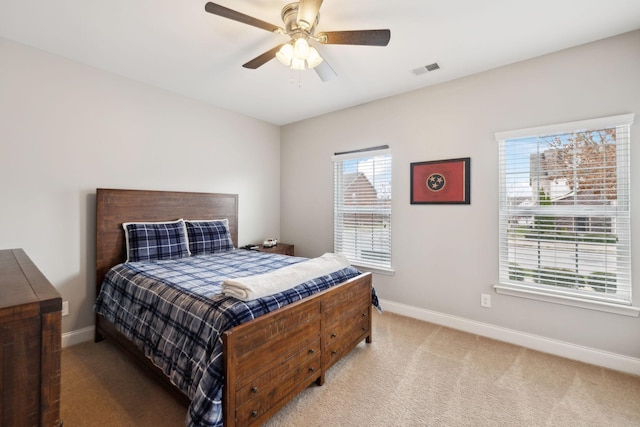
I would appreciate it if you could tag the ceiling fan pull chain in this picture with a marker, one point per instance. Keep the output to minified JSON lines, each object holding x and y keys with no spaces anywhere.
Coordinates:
{"x":292,"y":77}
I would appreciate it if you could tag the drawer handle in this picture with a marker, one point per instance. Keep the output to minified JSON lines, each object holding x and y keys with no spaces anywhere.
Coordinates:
{"x":254,"y":389}
{"x":311,"y":351}
{"x":364,"y":314}
{"x":333,"y":335}
{"x":311,"y":369}
{"x":364,"y":329}
{"x":254,"y":413}
{"x":333,"y":352}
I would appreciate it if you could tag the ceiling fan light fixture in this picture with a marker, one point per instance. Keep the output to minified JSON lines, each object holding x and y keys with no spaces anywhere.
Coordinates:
{"x":298,"y":55}
{"x":298,"y":64}
{"x":314,"y":59}
{"x":285,"y":54}
{"x":301,"y":48}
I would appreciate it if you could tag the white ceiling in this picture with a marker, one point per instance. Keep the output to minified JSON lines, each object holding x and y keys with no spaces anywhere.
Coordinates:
{"x":178,"y":46}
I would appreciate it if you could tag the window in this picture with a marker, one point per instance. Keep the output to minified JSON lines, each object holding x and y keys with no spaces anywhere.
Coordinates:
{"x":362,"y":207}
{"x":564,"y":213}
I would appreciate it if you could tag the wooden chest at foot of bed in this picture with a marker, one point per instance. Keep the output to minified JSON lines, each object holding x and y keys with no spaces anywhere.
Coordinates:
{"x":267,"y":366}
{"x":346,"y":322}
{"x":262,"y":381}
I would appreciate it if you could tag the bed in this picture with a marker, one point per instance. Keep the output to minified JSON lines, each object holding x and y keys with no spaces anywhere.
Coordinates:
{"x":264,"y":362}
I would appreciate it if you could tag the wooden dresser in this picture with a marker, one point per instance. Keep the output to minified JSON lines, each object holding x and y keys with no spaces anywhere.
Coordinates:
{"x":30,"y":334}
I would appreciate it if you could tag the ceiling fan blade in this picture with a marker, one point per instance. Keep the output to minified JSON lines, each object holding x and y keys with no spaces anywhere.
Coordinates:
{"x":325,"y":72}
{"x":307,"y":13}
{"x":216,"y":9}
{"x":357,"y":37}
{"x":262,"y":59}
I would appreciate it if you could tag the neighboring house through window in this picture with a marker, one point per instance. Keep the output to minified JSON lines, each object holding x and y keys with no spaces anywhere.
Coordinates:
{"x":564,"y":214}
{"x":362,"y":207}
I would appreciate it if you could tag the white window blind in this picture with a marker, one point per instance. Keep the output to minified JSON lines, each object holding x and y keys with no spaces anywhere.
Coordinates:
{"x":362,"y":207}
{"x":564,"y":210}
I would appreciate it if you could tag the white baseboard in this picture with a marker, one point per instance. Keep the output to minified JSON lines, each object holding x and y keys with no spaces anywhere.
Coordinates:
{"x":592,"y":356}
{"x":77,"y":337}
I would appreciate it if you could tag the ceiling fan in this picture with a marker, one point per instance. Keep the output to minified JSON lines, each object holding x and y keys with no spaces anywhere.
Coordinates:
{"x":300,"y":21}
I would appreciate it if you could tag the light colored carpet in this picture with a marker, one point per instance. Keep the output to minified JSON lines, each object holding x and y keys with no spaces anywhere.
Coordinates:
{"x":413,"y":374}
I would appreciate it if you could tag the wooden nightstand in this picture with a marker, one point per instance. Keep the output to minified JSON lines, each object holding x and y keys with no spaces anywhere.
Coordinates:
{"x":280,"y":248}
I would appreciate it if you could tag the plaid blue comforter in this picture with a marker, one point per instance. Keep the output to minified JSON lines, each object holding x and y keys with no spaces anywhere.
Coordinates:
{"x":174,"y":311}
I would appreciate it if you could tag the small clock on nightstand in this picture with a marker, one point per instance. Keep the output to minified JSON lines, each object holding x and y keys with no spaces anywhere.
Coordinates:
{"x":280,"y":248}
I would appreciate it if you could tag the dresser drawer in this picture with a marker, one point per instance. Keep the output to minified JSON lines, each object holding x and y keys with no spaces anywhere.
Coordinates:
{"x":347,"y":312}
{"x":280,"y":248}
{"x":302,"y":365}
{"x":342,"y":337}
{"x":283,"y":334}
{"x":296,"y":368}
{"x":355,"y":298}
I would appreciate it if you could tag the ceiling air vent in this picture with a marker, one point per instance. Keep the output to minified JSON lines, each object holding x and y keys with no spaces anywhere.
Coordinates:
{"x":426,"y":69}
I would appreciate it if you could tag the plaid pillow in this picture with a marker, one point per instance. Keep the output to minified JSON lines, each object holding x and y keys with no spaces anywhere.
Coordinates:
{"x":209,"y":237}
{"x":152,"y":241}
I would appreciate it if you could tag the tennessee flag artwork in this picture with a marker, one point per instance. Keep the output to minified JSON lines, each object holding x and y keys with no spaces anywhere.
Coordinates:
{"x":442,"y":181}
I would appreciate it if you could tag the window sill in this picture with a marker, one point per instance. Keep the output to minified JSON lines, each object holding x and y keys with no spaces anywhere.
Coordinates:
{"x":625,"y":310}
{"x":376,"y":270}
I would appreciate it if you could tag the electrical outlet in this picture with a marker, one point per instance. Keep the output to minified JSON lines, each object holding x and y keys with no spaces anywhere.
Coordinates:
{"x":485,"y":300}
{"x":65,"y":308}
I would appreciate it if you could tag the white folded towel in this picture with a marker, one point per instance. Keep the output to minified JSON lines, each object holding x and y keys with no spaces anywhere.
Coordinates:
{"x":258,"y":286}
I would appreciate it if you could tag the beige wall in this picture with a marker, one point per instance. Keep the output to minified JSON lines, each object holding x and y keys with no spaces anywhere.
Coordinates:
{"x":66,"y":129}
{"x":446,"y":256}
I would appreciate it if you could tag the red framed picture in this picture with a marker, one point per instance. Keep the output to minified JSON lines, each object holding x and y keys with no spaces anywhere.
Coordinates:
{"x":441,"y":181}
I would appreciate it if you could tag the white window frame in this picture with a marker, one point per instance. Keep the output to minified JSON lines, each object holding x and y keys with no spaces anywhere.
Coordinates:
{"x":517,"y":286}
{"x":375,"y":255}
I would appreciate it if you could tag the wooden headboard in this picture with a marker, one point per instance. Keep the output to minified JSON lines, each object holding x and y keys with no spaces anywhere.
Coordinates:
{"x":113,"y":207}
